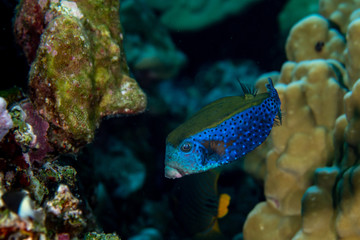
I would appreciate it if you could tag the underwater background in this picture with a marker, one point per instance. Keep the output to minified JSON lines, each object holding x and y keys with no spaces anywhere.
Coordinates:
{"x":92,"y":88}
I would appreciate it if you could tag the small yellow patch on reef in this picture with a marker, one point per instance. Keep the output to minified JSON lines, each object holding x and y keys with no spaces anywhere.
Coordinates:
{"x":224,"y":202}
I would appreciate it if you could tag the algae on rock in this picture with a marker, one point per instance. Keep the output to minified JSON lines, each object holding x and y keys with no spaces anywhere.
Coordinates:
{"x":80,"y":73}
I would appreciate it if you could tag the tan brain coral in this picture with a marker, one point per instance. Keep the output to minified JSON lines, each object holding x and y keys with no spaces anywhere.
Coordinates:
{"x":312,"y":101}
{"x":348,"y":215}
{"x":338,"y":11}
{"x":318,"y":220}
{"x":313,"y":171}
{"x":312,"y":38}
{"x":266,"y":223}
{"x":347,"y":188}
{"x":352,"y":52}
{"x":330,"y":208}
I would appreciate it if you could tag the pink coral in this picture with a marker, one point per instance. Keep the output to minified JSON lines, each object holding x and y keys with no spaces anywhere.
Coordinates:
{"x":40,"y":127}
{"x":29,"y":25}
{"x":5,"y":119}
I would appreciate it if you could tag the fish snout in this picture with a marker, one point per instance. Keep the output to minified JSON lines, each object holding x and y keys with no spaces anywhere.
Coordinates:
{"x":172,"y":173}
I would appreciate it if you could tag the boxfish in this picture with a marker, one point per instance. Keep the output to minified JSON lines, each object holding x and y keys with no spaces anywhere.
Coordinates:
{"x":222,"y":132}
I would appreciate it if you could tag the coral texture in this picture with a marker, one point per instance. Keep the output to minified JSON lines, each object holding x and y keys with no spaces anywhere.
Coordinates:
{"x":352,"y":51}
{"x":311,"y":99}
{"x":312,"y":162}
{"x":339,"y":11}
{"x":5,"y":119}
{"x":101,"y":236}
{"x":325,"y":42}
{"x":80,"y":74}
{"x":64,"y":213}
{"x":29,"y":25}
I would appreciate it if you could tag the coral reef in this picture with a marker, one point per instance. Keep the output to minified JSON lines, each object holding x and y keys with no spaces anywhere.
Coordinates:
{"x":21,"y":224}
{"x":180,"y":15}
{"x":129,"y":175}
{"x":101,"y":236}
{"x":5,"y":119}
{"x":79,"y":74}
{"x":317,"y":206}
{"x":149,"y":234}
{"x":312,"y":160}
{"x":23,"y":131}
{"x":151,"y":54}
{"x":311,"y":99}
{"x":17,"y":172}
{"x":312,"y":106}
{"x":63,"y":213}
{"x":40,"y":127}
{"x":325,"y":42}
{"x":29,"y":25}
{"x":305,"y":184}
{"x":352,"y":50}
{"x":338,"y":11}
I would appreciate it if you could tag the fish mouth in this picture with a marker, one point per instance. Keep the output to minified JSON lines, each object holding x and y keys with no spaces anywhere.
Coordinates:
{"x":173,"y":172}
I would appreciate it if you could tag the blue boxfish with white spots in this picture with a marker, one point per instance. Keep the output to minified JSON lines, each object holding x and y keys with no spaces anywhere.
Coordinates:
{"x":222,"y":132}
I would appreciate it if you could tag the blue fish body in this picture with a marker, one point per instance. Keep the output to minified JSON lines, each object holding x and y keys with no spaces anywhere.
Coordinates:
{"x":221,"y":132}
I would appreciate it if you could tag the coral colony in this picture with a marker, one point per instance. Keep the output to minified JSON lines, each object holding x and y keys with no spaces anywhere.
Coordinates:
{"x":63,"y":177}
{"x":78,"y":76}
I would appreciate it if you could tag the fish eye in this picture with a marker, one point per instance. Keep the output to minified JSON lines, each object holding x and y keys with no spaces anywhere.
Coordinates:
{"x":186,"y":147}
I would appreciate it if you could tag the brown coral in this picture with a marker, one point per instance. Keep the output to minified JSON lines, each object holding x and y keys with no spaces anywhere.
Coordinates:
{"x":311,"y":96}
{"x":338,"y":11}
{"x":312,"y":168}
{"x":312,"y":38}
{"x":79,"y":74}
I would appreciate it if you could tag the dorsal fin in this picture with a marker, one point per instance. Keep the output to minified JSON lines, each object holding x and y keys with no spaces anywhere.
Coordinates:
{"x":247,"y":89}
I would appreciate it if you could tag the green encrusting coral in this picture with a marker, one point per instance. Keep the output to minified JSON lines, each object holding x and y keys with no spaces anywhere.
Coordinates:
{"x":101,"y":236}
{"x":80,"y":73}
